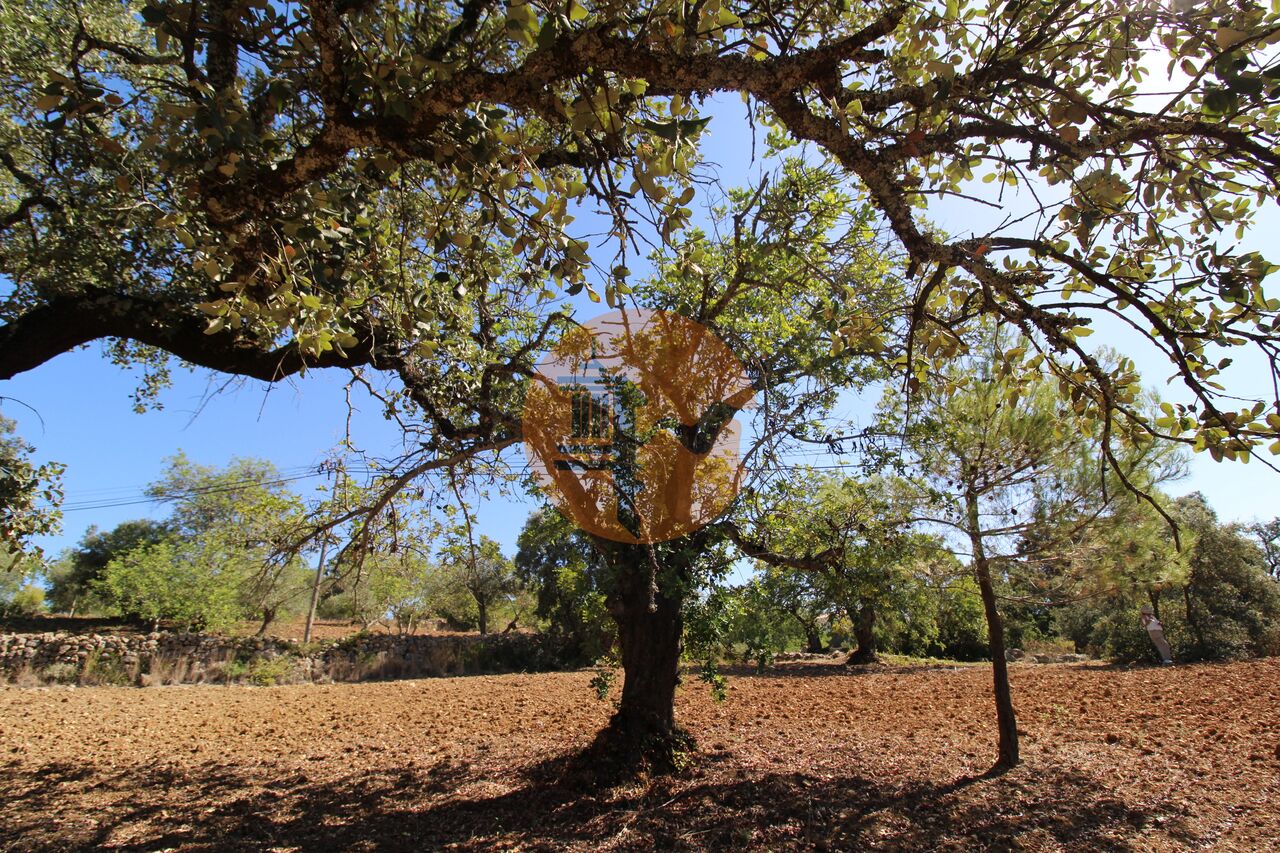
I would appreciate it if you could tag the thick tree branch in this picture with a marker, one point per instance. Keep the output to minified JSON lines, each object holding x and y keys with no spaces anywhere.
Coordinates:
{"x":61,"y":325}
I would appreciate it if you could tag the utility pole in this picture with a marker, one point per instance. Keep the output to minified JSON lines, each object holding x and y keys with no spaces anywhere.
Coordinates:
{"x":324,"y":551}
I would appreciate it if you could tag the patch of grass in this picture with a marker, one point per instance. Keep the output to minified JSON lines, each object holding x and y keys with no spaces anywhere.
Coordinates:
{"x":60,"y":673}
{"x":1049,"y":646}
{"x":266,"y":673}
{"x":259,"y":671}
{"x":911,"y":660}
{"x":105,"y":670}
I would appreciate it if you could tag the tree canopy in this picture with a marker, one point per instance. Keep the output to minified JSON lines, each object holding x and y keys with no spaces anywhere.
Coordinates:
{"x":30,"y":494}
{"x":259,"y":189}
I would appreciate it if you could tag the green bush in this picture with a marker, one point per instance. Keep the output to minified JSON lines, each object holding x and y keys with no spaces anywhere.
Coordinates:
{"x":258,"y":670}
{"x":268,"y":672}
{"x":27,"y":601}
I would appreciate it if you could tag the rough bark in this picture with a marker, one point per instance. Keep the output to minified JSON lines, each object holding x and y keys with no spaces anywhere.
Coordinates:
{"x":63,"y":324}
{"x":643,"y":735}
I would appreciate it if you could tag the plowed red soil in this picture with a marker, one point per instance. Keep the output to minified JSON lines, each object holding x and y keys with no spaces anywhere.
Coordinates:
{"x":805,"y":757}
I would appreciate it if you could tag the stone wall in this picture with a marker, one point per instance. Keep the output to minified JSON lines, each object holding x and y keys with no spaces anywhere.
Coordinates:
{"x":169,"y":658}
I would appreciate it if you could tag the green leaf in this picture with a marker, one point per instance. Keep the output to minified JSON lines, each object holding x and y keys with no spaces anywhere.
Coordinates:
{"x":668,"y":130}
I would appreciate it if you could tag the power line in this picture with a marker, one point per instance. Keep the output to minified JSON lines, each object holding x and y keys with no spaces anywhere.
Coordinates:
{"x":108,"y":493}
{"x":134,"y":500}
{"x":138,"y":497}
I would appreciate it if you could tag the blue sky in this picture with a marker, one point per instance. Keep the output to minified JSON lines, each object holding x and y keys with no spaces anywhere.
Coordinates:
{"x":77,"y":409}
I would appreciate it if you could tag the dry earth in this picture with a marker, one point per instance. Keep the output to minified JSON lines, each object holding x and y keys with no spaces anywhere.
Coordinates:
{"x":807,"y":756}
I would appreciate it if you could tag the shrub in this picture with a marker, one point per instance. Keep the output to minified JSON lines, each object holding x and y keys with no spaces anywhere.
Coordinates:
{"x":60,"y":673}
{"x":105,"y":670}
{"x":266,"y":672}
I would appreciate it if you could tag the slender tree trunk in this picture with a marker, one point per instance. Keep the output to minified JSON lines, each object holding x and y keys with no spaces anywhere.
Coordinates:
{"x":1006,"y":721}
{"x":1155,"y":602}
{"x":482,"y":605}
{"x":643,"y":735}
{"x":1192,"y":622}
{"x":315,"y":591}
{"x":864,"y":624}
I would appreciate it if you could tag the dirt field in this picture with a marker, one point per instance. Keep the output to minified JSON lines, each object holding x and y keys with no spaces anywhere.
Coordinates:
{"x":806,"y":757}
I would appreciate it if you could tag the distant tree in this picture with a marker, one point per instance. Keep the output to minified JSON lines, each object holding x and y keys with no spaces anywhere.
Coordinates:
{"x":955,"y":602}
{"x":400,"y":590}
{"x":20,"y":595}
{"x":241,"y":519}
{"x":74,"y":574}
{"x":849,"y":539}
{"x":792,"y":595}
{"x":27,"y":601}
{"x":160,"y":583}
{"x":1268,"y":536}
{"x":557,"y":561}
{"x":1230,"y":604}
{"x":759,"y":620}
{"x":1224,"y":605}
{"x":479,"y":567}
{"x":230,"y":534}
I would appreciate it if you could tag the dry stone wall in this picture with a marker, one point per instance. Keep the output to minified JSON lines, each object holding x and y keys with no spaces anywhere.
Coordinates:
{"x":172,"y":658}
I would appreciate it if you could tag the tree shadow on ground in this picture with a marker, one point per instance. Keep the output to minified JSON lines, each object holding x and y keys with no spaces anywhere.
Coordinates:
{"x":716,"y":804}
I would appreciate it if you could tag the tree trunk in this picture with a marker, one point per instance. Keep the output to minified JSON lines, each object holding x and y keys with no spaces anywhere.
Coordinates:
{"x":1006,"y":721}
{"x":864,"y":624}
{"x":643,"y":735}
{"x":315,"y":590}
{"x":813,"y":639}
{"x":1192,"y":622}
{"x":483,"y":606}
{"x":268,"y":616}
